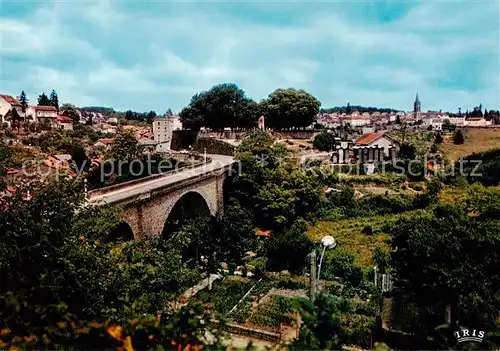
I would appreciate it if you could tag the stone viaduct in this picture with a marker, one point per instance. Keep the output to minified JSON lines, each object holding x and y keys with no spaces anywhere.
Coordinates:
{"x":153,"y":205}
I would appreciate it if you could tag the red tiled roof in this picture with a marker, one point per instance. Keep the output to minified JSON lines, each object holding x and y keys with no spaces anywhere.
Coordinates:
{"x":10,"y":99}
{"x":368,"y":138}
{"x":350,"y":118}
{"x":45,"y":108}
{"x":63,"y":119}
{"x":106,"y":141}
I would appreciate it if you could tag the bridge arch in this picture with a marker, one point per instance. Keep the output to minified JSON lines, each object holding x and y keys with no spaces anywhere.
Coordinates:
{"x":122,"y":232}
{"x":189,"y":206}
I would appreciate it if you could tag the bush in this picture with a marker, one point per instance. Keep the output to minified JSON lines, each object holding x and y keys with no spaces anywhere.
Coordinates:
{"x":324,"y":141}
{"x":289,"y":249}
{"x":340,"y":264}
{"x":367,"y":230}
{"x":458,"y":137}
{"x":381,"y":259}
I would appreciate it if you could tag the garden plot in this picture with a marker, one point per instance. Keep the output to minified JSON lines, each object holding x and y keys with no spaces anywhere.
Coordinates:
{"x":271,"y":306}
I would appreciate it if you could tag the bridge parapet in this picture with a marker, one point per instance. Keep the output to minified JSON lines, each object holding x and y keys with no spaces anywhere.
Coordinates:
{"x":111,"y":188}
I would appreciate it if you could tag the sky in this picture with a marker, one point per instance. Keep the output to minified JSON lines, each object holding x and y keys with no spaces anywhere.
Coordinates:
{"x":154,"y":55}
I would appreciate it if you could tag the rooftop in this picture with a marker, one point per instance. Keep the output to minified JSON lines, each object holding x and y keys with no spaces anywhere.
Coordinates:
{"x":369,"y":138}
{"x":10,"y":99}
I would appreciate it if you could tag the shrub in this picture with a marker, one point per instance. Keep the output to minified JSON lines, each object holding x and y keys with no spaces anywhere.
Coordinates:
{"x":458,"y":137}
{"x":381,"y":259}
{"x":367,"y":230}
{"x":340,"y":264}
{"x":324,"y":141}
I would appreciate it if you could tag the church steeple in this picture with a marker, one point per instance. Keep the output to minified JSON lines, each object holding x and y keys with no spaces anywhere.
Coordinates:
{"x":416,"y":105}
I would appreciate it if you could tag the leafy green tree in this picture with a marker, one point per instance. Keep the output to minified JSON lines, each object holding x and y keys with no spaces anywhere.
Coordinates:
{"x":223,"y":106}
{"x":324,"y":141}
{"x":407,"y":151}
{"x":71,"y":112}
{"x":125,"y":146}
{"x":339,"y":264}
{"x":43,"y":100}
{"x":23,"y":100}
{"x":321,"y":327}
{"x":288,"y":249}
{"x":55,"y":264}
{"x":286,"y":108}
{"x":79,"y":157}
{"x":448,"y":259}
{"x":458,"y":137}
{"x":54,"y":100}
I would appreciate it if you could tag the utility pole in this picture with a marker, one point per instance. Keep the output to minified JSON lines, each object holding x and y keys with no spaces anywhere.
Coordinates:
{"x":313,"y":275}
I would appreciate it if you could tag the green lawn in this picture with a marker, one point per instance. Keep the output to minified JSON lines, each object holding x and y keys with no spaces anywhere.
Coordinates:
{"x":348,"y":233}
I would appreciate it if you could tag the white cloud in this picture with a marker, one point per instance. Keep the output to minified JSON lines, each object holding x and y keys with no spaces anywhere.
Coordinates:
{"x":140,"y":60}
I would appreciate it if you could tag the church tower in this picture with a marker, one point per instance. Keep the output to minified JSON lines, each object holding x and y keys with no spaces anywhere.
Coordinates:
{"x":416,"y":107}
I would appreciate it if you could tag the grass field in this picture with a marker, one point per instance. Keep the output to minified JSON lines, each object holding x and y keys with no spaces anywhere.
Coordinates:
{"x":476,"y":140}
{"x":348,"y":233}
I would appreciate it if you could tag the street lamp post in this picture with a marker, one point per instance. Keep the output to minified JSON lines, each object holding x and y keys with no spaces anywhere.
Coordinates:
{"x":328,"y":242}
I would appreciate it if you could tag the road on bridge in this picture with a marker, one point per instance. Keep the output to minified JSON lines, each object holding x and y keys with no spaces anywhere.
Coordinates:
{"x":119,"y":195}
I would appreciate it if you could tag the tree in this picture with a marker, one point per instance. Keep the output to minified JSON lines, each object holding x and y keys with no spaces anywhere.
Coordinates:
{"x":288,"y":249}
{"x":321,"y":327}
{"x":438,"y":139}
{"x":150,"y":116}
{"x":79,"y":157}
{"x":129,"y":115}
{"x":446,"y":259}
{"x":43,"y":100}
{"x":324,"y":141}
{"x":71,"y":112}
{"x":54,"y":100}
{"x":58,"y":271}
{"x":23,"y":100}
{"x":169,"y":112}
{"x":407,"y":151}
{"x":458,"y":137}
{"x":125,"y":146}
{"x":287,"y":108}
{"x":223,"y":106}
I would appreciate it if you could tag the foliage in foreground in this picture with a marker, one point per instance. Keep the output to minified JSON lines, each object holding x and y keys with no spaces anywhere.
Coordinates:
{"x":55,"y":263}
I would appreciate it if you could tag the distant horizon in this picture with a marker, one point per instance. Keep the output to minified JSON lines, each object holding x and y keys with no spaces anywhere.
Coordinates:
{"x":155,"y":55}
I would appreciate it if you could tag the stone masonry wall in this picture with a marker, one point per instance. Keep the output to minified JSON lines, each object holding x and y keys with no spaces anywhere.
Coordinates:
{"x":147,"y":217}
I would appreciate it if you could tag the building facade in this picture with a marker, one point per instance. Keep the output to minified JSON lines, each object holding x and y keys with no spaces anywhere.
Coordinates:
{"x":7,"y":103}
{"x":44,"y":115}
{"x":162,"y":131}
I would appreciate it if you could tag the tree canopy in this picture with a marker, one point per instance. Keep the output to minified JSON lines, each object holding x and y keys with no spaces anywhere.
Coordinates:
{"x":448,"y":258}
{"x":324,"y":141}
{"x":223,"y":106}
{"x":23,"y":100}
{"x":43,"y":100}
{"x":287,"y":108}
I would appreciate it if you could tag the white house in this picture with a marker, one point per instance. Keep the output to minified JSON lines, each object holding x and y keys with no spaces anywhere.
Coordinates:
{"x":437,"y":123}
{"x":64,"y":123}
{"x":8,"y":103}
{"x":477,"y":122}
{"x":162,"y":131}
{"x":46,"y":115}
{"x":380,"y":140}
{"x":458,"y":121}
{"x":356,"y":121}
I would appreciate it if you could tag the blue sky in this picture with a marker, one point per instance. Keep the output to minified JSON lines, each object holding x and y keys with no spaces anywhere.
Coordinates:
{"x":152,"y":55}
